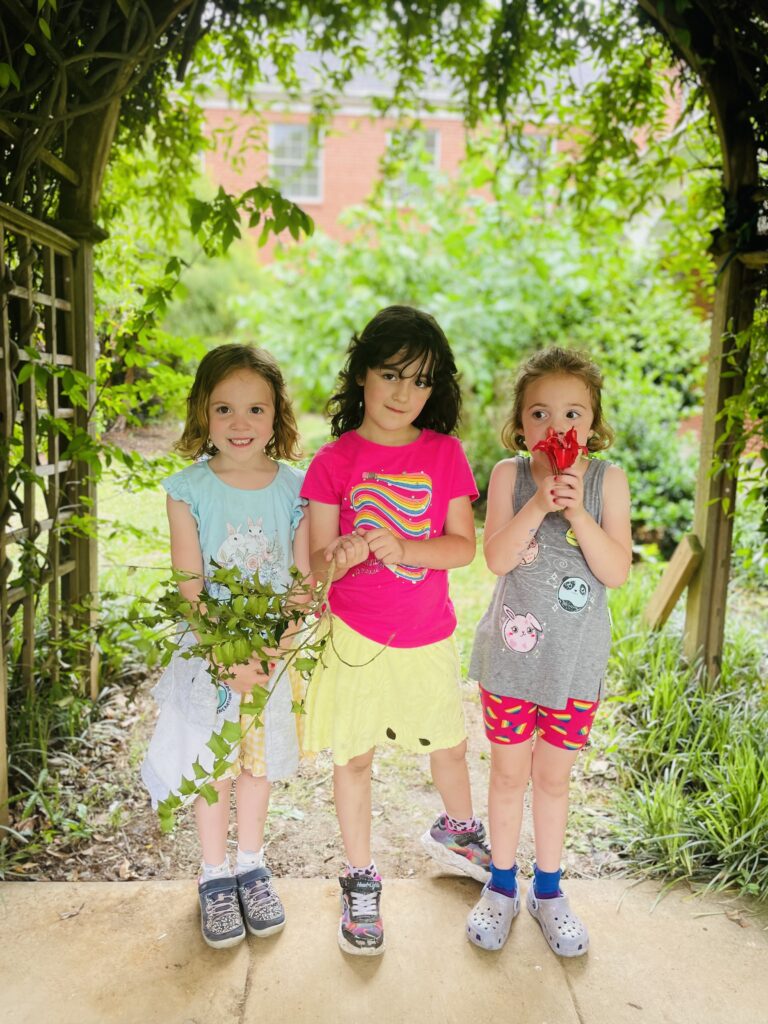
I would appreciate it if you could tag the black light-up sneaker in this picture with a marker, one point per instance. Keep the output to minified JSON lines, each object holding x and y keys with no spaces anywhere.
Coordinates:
{"x":464,"y":851}
{"x":361,"y":930}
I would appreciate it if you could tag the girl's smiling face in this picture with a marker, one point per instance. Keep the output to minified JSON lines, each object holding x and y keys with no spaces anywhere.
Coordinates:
{"x":558,"y":401}
{"x":241,"y":415}
{"x":394,"y":395}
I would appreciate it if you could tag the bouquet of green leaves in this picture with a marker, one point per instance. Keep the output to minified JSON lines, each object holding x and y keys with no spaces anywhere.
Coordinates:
{"x":238,"y":619}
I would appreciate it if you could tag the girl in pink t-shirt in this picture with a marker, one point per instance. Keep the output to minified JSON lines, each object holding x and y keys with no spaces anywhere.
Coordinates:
{"x":390,"y":513}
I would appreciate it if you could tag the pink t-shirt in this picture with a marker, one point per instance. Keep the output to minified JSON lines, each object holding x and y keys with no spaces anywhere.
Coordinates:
{"x":406,"y":489}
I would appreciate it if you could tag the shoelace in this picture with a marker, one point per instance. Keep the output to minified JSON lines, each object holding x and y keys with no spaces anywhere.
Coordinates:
{"x":258,"y":892}
{"x":221,"y":903}
{"x":364,"y":904}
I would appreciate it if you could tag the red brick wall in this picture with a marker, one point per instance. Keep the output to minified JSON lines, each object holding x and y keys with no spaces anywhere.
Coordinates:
{"x":351,"y":150}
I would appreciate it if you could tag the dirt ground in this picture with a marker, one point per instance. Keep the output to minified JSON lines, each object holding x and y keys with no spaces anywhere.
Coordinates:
{"x":303,"y":835}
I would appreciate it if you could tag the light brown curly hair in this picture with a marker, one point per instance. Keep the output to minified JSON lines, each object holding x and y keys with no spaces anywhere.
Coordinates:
{"x":565,"y":361}
{"x":214,"y":367}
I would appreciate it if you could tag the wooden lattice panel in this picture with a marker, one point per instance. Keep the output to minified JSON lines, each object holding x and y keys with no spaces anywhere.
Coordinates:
{"x":41,"y":328}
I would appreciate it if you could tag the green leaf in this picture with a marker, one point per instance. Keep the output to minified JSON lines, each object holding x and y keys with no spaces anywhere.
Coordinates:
{"x":210,"y":794}
{"x":45,"y":28}
{"x":231,"y":732}
{"x":219,"y":747}
{"x":28,"y":368}
{"x":684,"y":36}
{"x":304,"y":664}
{"x":251,"y":709}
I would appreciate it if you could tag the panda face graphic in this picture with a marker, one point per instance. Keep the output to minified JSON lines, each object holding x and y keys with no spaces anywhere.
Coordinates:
{"x":573,"y":593}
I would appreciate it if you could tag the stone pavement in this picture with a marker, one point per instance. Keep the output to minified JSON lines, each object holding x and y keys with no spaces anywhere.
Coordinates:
{"x":131,"y":953}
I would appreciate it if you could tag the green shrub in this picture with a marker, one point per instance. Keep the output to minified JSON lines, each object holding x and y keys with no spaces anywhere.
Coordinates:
{"x":504,"y":277}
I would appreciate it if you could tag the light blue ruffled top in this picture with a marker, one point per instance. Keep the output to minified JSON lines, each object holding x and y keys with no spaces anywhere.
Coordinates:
{"x":249,"y":530}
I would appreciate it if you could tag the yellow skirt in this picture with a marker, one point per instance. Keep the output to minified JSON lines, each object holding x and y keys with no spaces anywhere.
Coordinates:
{"x":363,"y":693}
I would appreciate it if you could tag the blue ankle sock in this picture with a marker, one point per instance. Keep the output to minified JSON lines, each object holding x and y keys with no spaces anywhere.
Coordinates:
{"x":546,"y":884}
{"x":504,"y":880}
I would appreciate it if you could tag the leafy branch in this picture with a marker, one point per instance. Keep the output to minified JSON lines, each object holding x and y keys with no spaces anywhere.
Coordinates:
{"x":238,"y":621}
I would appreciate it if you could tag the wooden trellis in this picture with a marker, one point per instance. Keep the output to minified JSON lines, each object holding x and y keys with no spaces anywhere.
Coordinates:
{"x":44,"y":567}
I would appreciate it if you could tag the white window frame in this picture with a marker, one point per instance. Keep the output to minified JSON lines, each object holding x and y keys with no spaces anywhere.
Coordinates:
{"x":521,"y":166}
{"x":316,"y":152}
{"x":401,"y":191}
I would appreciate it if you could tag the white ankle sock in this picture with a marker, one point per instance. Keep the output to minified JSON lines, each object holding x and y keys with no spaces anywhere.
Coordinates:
{"x":249,"y":859}
{"x":209,"y":871}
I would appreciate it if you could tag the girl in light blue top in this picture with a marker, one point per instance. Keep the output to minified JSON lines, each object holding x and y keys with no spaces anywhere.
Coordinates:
{"x":239,"y":507}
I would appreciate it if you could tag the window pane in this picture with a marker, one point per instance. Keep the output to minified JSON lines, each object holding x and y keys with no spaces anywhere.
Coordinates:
{"x":295,"y":161}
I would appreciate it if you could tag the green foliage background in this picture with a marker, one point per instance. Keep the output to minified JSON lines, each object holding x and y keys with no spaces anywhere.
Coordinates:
{"x":506,"y":270}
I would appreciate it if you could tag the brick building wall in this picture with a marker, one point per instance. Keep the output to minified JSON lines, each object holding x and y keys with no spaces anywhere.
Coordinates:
{"x":352,"y":146}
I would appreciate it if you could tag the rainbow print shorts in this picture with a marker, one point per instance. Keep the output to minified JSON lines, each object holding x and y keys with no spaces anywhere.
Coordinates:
{"x":510,"y":720}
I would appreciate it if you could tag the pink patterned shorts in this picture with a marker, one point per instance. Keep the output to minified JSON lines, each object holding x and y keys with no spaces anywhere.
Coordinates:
{"x":510,"y":720}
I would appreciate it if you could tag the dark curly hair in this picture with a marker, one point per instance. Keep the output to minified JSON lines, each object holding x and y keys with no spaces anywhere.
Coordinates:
{"x":219,"y":363}
{"x":414,"y":337}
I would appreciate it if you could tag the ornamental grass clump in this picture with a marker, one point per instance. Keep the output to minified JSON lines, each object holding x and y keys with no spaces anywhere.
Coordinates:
{"x":692,"y":763}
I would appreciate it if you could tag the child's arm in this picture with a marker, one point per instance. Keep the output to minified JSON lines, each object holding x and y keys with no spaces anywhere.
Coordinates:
{"x":301,"y":546}
{"x":301,"y":561}
{"x":325,"y":543}
{"x":186,"y":555}
{"x":454,"y":548}
{"x":607,"y":548}
{"x":506,"y":536}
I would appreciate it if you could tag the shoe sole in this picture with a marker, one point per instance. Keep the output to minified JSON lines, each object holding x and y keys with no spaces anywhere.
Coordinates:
{"x":264,"y":933}
{"x":452,"y":860}
{"x":235,"y":940}
{"x":558,"y":952}
{"x":346,"y":947}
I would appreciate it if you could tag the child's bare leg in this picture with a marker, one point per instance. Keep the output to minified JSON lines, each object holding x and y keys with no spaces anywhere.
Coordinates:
{"x":252,"y":796}
{"x":551,"y":775}
{"x":213,"y":822}
{"x":451,"y":776}
{"x":510,"y":772}
{"x":352,"y":794}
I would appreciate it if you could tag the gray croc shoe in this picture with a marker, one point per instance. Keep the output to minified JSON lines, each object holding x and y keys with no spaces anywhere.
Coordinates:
{"x":565,"y":933}
{"x":490,"y":919}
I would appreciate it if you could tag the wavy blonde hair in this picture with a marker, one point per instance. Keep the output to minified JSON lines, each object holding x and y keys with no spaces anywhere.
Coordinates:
{"x":214,"y":367}
{"x":565,"y":361}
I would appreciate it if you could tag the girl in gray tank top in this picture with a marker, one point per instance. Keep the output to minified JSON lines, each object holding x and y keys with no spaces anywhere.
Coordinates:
{"x":555,"y":538}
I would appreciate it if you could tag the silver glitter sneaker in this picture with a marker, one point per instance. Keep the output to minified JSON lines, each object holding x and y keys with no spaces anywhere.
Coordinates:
{"x":262,"y":910}
{"x":220,"y":919}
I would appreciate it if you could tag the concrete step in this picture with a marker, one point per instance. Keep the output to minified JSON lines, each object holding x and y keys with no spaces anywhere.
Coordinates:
{"x":131,"y":953}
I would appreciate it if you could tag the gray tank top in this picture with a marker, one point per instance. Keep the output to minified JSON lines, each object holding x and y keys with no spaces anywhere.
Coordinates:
{"x":546,"y":635}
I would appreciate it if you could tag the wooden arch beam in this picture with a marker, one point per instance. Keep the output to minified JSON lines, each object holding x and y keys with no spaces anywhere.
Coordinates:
{"x":693,"y":36}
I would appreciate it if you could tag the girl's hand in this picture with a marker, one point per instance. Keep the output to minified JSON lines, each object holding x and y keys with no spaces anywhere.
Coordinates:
{"x":245,"y":677}
{"x":568,"y":495}
{"x":386,"y":546}
{"x":546,"y":495}
{"x":350,"y":549}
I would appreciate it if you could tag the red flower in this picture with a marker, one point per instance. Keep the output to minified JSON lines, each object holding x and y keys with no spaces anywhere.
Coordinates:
{"x":562,"y":452}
